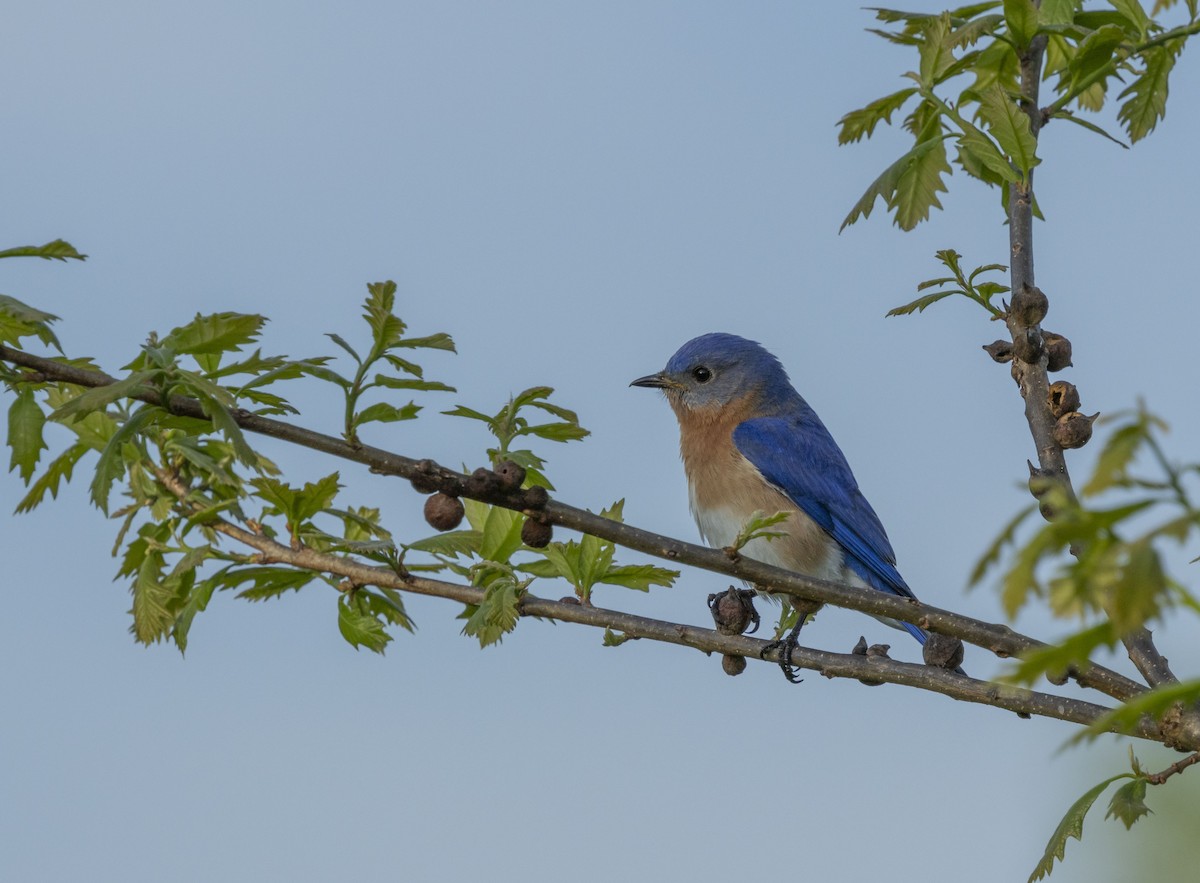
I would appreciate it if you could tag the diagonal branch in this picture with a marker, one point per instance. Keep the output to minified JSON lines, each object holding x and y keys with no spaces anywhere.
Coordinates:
{"x":831,"y":665}
{"x":997,"y":638}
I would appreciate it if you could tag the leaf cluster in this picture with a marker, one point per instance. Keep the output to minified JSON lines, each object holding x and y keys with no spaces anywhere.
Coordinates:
{"x":967,"y":94}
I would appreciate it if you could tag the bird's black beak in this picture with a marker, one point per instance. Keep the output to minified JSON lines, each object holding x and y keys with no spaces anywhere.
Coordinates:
{"x":653,"y":381}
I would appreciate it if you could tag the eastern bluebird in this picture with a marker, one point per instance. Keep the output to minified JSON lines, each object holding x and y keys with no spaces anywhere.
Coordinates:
{"x":750,"y":442}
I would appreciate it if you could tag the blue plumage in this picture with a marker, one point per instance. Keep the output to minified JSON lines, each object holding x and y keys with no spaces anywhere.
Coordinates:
{"x":750,"y":441}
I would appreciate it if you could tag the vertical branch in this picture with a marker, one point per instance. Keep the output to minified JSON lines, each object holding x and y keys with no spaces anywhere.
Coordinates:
{"x":1032,"y":377}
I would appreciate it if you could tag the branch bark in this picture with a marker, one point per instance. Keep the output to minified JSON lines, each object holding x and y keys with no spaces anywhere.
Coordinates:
{"x":1032,"y":377}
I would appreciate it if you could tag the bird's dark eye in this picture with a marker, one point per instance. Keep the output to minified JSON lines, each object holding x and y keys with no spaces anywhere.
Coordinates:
{"x":702,"y":374}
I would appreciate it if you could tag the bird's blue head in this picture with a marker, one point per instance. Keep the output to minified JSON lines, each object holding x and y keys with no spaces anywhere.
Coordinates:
{"x":715,"y":370}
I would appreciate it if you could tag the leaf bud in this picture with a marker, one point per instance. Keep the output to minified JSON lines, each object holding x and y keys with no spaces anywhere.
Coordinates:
{"x":733,"y":665}
{"x":1073,"y":430}
{"x":1058,"y":351}
{"x":942,"y":651}
{"x":536,"y":534}
{"x":510,"y":475}
{"x":1001,"y":351}
{"x":1063,"y":397}
{"x":443,"y":512}
{"x":1028,"y":345}
{"x":1029,"y":306}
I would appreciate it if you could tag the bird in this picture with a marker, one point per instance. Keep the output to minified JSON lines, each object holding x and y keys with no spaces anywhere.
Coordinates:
{"x":751,"y":443}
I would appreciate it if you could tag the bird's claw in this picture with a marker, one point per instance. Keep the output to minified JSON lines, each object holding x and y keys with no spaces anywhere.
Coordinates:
{"x":785,"y":646}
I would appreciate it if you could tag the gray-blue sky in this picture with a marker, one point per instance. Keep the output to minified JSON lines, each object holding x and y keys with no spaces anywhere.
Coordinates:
{"x":571,"y":191}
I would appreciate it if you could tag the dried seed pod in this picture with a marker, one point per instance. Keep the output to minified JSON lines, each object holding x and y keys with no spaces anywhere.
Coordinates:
{"x":536,"y":534}
{"x":443,"y":512}
{"x":1063,"y":397}
{"x":1001,"y":351}
{"x":1029,"y":306}
{"x":733,"y":610}
{"x":536,"y":497}
{"x":1028,"y":345}
{"x":733,"y":665}
{"x":423,"y":481}
{"x":942,"y":651}
{"x":482,"y":483}
{"x":1040,"y":481}
{"x":510,"y":475}
{"x":1073,"y":430}
{"x":1058,"y":351}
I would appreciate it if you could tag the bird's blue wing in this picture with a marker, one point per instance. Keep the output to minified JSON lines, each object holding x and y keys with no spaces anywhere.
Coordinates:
{"x":797,"y":455}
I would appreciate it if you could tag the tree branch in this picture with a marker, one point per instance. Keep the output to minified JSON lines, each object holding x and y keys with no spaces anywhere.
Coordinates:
{"x":1032,"y":377}
{"x":997,"y":638}
{"x":876,"y":669}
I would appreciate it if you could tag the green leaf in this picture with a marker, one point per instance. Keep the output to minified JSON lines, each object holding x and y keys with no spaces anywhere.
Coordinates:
{"x":861,"y":123}
{"x":102,"y":396}
{"x":111,"y":465}
{"x":1113,"y":463}
{"x":1022,"y":19}
{"x":57,"y":471}
{"x":1128,"y":803}
{"x":439,"y":341}
{"x":336,"y":338}
{"x":1089,"y":125}
{"x":407,"y":383}
{"x":612,"y":639}
{"x":1070,"y":826}
{"x":1009,"y":125}
{"x":266,"y":581}
{"x":920,"y":304}
{"x":559,"y":432}
{"x":25,"y":424}
{"x":935,"y":49}
{"x":1135,"y":15}
{"x":992,"y":555}
{"x":497,"y":615}
{"x":1054,"y":661}
{"x":197,"y":602}
{"x":386,"y":328}
{"x":1147,"y":94}
{"x":501,"y":534}
{"x":886,"y":184}
{"x":453,"y":544}
{"x":1057,"y":12}
{"x":918,"y":186}
{"x":985,"y":152}
{"x":1094,"y":58}
{"x":756,"y":526}
{"x":382,"y":412}
{"x":215,"y":333}
{"x":639,"y":576}
{"x":1155,"y":703}
{"x":359,"y":627}
{"x":58,"y":250}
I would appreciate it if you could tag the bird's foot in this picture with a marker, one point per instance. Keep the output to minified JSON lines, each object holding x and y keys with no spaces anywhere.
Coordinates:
{"x":733,"y":612}
{"x":785,"y":647}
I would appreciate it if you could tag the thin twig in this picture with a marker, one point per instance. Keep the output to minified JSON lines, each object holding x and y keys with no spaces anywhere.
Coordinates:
{"x":1177,"y":767}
